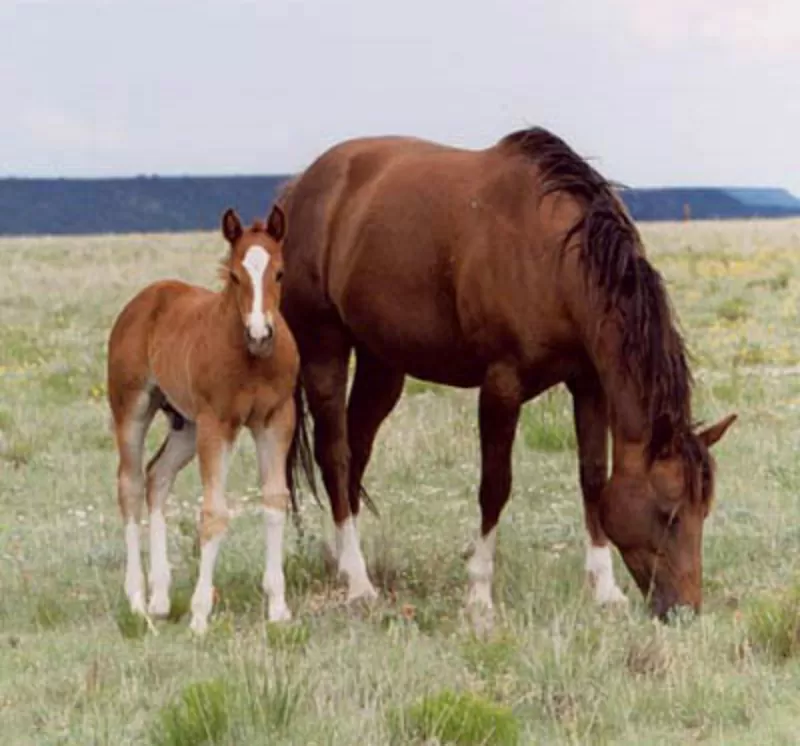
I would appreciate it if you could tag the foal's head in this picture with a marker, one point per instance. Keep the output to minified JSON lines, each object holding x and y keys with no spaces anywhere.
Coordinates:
{"x":654,"y":514}
{"x":253,"y":272}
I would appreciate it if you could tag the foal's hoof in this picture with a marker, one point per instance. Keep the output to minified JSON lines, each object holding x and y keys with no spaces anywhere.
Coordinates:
{"x":481,"y":619}
{"x":610,"y":596}
{"x":159,"y":607}
{"x":362,"y":592}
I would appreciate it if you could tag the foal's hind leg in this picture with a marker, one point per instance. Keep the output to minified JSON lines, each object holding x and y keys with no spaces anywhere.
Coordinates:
{"x":325,"y":382}
{"x":132,"y":414}
{"x":176,"y":452}
{"x":591,"y":428}
{"x":376,"y":389}
{"x":498,"y":411}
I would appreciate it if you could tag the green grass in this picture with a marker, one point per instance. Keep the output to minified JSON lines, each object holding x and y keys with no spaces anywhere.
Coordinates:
{"x":78,"y":668}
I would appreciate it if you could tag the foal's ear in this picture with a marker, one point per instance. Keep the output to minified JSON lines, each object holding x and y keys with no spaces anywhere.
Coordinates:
{"x":276,"y":224}
{"x":231,"y":226}
{"x":712,"y":434}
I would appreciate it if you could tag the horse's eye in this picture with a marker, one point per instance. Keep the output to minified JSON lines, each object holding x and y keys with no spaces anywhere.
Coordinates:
{"x":234,"y":278}
{"x":670,"y":519}
{"x":279,"y":275}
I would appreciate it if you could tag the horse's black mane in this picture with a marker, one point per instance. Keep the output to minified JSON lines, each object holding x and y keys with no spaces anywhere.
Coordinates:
{"x":652,"y":352}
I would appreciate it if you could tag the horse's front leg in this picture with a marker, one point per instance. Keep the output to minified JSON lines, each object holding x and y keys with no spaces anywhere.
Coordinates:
{"x":498,"y":413}
{"x":591,"y":429}
{"x":214,"y":442}
{"x":272,"y":446}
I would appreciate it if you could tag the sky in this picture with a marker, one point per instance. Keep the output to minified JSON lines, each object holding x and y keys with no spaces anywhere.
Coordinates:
{"x":658,"y":92}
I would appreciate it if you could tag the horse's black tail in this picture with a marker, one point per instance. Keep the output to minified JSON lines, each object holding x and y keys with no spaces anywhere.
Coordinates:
{"x":300,"y":461}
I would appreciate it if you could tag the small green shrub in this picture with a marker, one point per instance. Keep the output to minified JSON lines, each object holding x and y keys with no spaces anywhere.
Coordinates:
{"x":452,"y":718}
{"x":198,"y":716}
{"x":773,"y":625}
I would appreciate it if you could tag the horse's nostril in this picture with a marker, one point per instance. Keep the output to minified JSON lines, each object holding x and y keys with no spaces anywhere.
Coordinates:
{"x":269,"y":332}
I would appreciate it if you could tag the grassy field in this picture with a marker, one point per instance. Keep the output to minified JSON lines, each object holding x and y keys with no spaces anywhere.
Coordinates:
{"x":76,"y":668}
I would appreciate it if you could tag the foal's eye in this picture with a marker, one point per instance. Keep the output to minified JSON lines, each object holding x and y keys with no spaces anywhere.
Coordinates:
{"x":234,"y":279}
{"x":279,"y":275}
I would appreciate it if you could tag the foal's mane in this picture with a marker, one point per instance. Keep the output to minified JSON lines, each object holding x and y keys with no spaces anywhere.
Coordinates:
{"x":652,"y":352}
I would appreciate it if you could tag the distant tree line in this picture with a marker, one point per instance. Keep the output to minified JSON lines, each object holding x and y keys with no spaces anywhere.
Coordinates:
{"x":154,"y":204}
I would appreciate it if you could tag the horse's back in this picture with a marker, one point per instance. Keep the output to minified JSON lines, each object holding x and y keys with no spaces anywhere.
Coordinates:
{"x":423,"y":252}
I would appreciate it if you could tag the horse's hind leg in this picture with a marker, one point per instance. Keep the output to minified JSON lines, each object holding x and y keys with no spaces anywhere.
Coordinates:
{"x":133,"y":412}
{"x":498,"y":413}
{"x":176,"y":452}
{"x":591,"y":429}
{"x":324,"y":363}
{"x":376,"y":389}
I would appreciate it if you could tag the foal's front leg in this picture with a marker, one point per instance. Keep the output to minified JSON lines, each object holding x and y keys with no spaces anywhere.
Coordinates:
{"x":214,"y":441}
{"x":272,"y":446}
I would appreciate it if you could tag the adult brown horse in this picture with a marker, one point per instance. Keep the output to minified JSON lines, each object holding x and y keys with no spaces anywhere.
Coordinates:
{"x":512,"y":268}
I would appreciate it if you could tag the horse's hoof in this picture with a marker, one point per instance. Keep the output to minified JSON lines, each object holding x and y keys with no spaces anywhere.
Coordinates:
{"x":198,"y":625}
{"x":611,"y":596}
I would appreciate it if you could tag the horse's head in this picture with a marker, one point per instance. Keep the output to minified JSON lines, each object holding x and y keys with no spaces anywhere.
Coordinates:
{"x":253,"y":272}
{"x":653,"y":509}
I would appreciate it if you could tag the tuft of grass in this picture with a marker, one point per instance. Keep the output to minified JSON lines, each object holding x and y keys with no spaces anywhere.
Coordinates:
{"x":131,"y":626}
{"x":773,"y":625}
{"x":272,"y":699}
{"x":452,"y":718}
{"x":17,"y":451}
{"x":288,"y":636}
{"x":49,"y":613}
{"x":198,"y":716}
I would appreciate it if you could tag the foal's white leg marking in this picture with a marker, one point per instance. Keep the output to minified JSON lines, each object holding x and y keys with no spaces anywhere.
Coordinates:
{"x":256,"y":261}
{"x":159,"y":565}
{"x":273,"y":582}
{"x":134,"y":577}
{"x":271,"y":454}
{"x":178,"y":451}
{"x":351,"y":561}
{"x":480,"y":569}
{"x":601,"y":575}
{"x":203,"y":596}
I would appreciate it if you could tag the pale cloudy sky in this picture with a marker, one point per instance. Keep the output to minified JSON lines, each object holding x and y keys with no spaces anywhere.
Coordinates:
{"x":699,"y":92}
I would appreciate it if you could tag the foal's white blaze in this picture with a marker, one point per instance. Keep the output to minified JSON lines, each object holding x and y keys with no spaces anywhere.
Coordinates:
{"x":273,"y":583}
{"x":480,"y":570}
{"x":601,"y":575}
{"x":351,"y":561}
{"x":256,"y":262}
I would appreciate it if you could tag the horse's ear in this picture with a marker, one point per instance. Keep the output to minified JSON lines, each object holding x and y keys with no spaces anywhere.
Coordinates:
{"x":712,"y":434}
{"x":231,"y":226}
{"x":276,"y":224}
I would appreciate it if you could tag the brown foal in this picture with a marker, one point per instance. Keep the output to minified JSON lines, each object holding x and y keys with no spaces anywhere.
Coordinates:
{"x":511,"y":269}
{"x":214,"y":362}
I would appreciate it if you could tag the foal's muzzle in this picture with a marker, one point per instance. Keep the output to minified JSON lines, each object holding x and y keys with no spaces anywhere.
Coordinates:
{"x":260,"y":344}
